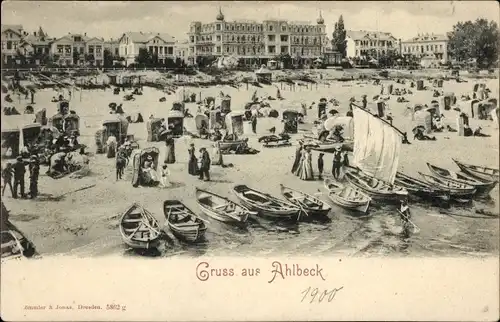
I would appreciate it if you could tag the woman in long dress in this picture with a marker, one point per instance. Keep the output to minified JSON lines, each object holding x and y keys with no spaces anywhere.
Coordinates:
{"x":298,"y":155}
{"x":193,"y":161}
{"x":217,"y":155}
{"x":305,"y":170}
{"x":170,"y":149}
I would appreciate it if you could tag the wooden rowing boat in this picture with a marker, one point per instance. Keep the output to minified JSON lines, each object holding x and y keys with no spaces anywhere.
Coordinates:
{"x":347,"y":197}
{"x":11,"y":245}
{"x":421,"y":189}
{"x":183,"y":222}
{"x":308,"y":204}
{"x":480,"y":172}
{"x":265,"y":204}
{"x":456,"y":189}
{"x":377,"y":189}
{"x":221,"y":208}
{"x":139,"y":229}
{"x":483,"y":187}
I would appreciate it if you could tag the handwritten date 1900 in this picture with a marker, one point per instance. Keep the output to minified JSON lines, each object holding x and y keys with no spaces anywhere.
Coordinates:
{"x":318,"y":295}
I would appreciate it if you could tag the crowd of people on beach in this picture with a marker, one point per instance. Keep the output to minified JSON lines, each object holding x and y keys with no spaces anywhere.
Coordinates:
{"x":17,"y":171}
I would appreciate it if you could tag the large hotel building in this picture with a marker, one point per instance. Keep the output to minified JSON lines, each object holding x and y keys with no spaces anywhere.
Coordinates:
{"x":258,"y":42}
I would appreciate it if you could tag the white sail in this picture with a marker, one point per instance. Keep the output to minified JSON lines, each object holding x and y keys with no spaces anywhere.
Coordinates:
{"x":376,"y":146}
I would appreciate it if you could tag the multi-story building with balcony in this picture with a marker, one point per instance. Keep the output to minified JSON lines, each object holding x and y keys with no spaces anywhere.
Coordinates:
{"x":181,"y":50}
{"x":11,"y":39}
{"x":159,"y":44}
{"x":77,"y":49}
{"x":373,"y":44}
{"x":431,"y":49}
{"x":35,"y":47}
{"x":113,"y":46}
{"x":257,"y":42}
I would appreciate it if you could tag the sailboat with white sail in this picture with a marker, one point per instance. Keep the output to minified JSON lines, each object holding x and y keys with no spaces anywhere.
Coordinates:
{"x":377,"y":145}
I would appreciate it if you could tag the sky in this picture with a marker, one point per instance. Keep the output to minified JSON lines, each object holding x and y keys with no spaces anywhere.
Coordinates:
{"x":110,"y":19}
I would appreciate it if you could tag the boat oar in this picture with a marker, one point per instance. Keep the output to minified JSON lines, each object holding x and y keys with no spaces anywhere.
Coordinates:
{"x":408,"y":219}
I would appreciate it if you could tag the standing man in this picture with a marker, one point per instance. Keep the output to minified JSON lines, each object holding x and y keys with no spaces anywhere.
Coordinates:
{"x":19,"y":171}
{"x":34,"y":168}
{"x":253,"y":118}
{"x":7,"y":178}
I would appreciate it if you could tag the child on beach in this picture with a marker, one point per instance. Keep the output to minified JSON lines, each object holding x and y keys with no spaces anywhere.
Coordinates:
{"x":320,"y":165}
{"x":164,"y":176}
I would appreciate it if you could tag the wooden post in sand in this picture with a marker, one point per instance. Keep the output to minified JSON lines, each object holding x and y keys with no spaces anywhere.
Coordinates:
{"x":247,"y":86}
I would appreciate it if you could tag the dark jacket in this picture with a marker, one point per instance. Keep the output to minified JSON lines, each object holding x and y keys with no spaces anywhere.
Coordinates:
{"x":19,"y":169}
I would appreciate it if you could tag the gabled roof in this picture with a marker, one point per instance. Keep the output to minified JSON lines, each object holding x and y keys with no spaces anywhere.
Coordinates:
{"x":38,"y":41}
{"x":16,"y":28}
{"x":69,"y":37}
{"x":144,"y":37}
{"x":427,"y":37}
{"x":370,"y":35}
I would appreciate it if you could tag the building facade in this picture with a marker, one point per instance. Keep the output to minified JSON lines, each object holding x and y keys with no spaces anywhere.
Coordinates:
{"x":35,"y":47}
{"x":181,"y":50}
{"x":159,"y":44}
{"x":373,"y":44}
{"x":77,"y":50}
{"x":11,"y":39}
{"x":256,"y":42}
{"x":431,"y":49}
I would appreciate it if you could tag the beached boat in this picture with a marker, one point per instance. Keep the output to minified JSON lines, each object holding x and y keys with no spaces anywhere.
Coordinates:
{"x":483,"y":187}
{"x":11,"y":245}
{"x":480,"y":172}
{"x":421,"y":188}
{"x":346,"y":196}
{"x":139,"y":229}
{"x":308,"y":204}
{"x":183,"y":222}
{"x":377,"y":146}
{"x":221,"y":208}
{"x":456,"y":189}
{"x":266,"y":205}
{"x":375,"y":188}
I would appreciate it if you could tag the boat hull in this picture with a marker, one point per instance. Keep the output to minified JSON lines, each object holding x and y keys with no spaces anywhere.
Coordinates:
{"x":323,"y":211}
{"x":359,"y":182}
{"x":483,"y":187}
{"x":287,"y":212}
{"x":191,"y":231}
{"x":421,"y":190}
{"x":476,"y":173}
{"x":336,"y":192}
{"x":466,"y":193}
{"x":221,"y":215}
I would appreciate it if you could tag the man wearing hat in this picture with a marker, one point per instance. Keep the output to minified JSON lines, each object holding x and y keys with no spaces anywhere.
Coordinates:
{"x":19,"y":171}
{"x":34,"y":168}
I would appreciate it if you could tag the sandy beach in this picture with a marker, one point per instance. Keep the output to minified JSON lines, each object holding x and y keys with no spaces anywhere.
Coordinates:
{"x":86,"y":222}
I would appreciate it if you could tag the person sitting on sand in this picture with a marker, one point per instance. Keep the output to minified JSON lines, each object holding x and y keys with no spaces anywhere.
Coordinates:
{"x":216,"y":136}
{"x":477,"y":132}
{"x":468,"y":131}
{"x":422,"y":137}
{"x":437,"y":124}
{"x":150,"y":174}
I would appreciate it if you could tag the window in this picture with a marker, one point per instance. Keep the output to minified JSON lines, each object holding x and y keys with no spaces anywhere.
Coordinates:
{"x":218,"y":49}
{"x":91,"y":49}
{"x":284,"y":49}
{"x":117,"y":52}
{"x":191,"y":39}
{"x":98,"y":49}
{"x":270,"y":28}
{"x":150,"y":49}
{"x":440,"y":47}
{"x":271,"y":49}
{"x":283,"y":28}
{"x":271,"y":38}
{"x":227,"y":49}
{"x":218,"y":27}
{"x":68,"y":49}
{"x":427,"y":47}
{"x":126,"y":51}
{"x":218,"y":38}
{"x":284,"y":38}
{"x":170,"y":50}
{"x":161,"y":50}
{"x":232,"y":28}
{"x":243,"y":38}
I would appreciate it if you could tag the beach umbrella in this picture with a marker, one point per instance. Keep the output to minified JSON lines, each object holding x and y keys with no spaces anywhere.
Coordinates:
{"x":333,"y":112}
